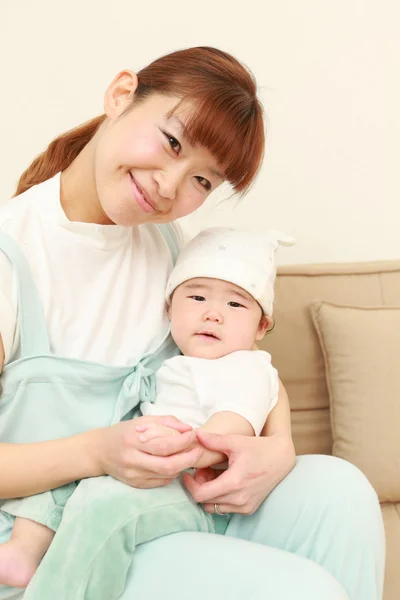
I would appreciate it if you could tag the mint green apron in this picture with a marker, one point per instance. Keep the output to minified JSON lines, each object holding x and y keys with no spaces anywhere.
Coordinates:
{"x":46,"y":397}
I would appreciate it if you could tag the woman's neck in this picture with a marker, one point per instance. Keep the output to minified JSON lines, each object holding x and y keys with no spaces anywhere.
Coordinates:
{"x":78,"y":194}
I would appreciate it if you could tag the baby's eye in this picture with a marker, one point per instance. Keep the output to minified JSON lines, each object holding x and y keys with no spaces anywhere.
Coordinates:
{"x":235,"y":305}
{"x":198,"y":298}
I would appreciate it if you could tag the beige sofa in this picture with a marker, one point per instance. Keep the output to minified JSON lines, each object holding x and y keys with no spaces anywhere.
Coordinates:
{"x":313,"y":374}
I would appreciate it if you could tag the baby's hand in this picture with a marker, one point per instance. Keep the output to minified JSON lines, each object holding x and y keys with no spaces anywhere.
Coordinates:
{"x":152,"y":437}
{"x":153,"y":431}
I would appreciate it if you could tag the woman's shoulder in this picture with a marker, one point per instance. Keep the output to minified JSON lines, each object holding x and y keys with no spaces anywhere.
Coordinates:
{"x":19,"y":207}
{"x":15,"y":210}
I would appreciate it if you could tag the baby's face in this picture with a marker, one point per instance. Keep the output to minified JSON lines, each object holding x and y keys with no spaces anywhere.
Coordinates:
{"x":211,"y":318}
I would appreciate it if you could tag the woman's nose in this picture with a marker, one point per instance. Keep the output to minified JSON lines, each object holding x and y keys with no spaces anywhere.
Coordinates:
{"x":168,"y":182}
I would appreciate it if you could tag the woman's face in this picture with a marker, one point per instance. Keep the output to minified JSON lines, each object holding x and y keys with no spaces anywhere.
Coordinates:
{"x":145,"y":169}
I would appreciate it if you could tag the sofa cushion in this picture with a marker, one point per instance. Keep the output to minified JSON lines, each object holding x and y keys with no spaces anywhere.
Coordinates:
{"x":361,"y":348}
{"x":294,"y":344}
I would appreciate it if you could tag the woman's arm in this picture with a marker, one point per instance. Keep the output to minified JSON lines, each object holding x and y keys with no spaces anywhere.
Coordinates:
{"x":27,"y":469}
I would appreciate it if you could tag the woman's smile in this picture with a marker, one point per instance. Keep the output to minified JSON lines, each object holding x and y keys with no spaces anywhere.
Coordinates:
{"x":141,"y":198}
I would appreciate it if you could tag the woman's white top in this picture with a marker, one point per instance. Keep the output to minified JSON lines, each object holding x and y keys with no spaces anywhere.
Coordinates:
{"x":102,"y":286}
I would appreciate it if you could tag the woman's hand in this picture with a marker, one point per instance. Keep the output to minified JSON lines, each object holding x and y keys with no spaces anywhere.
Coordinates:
{"x":256,"y":466}
{"x":28,"y":469}
{"x":120,"y":452}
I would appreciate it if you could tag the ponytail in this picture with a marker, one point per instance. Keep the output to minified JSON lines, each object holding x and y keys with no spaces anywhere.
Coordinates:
{"x":59,"y":154}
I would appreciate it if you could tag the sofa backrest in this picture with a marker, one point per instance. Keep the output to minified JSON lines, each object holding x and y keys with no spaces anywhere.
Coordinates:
{"x":294,"y":345}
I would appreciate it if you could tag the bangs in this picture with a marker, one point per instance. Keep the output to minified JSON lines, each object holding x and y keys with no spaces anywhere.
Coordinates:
{"x":226,"y":116}
{"x":230,"y":126}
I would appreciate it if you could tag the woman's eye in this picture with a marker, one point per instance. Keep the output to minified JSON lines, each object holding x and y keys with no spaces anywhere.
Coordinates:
{"x":198,"y":298}
{"x":173,"y":142}
{"x":235,"y":305}
{"x":204,"y":182}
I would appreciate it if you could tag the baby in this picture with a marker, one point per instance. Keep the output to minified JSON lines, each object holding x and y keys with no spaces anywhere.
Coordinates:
{"x":220,"y":302}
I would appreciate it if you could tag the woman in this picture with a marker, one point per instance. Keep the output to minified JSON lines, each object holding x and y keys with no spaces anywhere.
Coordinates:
{"x":170,"y":136}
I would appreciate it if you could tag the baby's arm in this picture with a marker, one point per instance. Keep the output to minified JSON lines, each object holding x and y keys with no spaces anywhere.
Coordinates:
{"x":224,"y":423}
{"x":237,"y":392}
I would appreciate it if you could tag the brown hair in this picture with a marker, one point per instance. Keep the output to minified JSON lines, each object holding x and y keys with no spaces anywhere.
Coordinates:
{"x":228,"y":119}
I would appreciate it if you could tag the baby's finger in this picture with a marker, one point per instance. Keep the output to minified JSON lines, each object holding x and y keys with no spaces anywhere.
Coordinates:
{"x":168,"y":445}
{"x":204,"y":475}
{"x":205,"y":492}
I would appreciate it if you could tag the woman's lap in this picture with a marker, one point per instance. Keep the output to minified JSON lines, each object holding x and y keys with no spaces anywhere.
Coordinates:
{"x":325,"y":510}
{"x":204,"y":565}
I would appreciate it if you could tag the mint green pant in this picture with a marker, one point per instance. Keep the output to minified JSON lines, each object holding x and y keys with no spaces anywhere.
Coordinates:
{"x":325,"y":511}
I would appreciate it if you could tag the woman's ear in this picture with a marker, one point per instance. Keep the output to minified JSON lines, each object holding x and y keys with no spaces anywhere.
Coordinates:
{"x":266,"y":324}
{"x":119,"y":94}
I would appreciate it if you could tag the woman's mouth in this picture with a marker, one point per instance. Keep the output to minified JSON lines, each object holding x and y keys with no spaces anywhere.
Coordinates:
{"x":140,"y":197}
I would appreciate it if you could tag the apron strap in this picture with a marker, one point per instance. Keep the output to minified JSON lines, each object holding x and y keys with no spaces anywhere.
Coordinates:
{"x":31,"y":320}
{"x":168,"y":233}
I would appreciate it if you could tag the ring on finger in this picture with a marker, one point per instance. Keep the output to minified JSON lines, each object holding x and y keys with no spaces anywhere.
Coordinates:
{"x":218,"y":511}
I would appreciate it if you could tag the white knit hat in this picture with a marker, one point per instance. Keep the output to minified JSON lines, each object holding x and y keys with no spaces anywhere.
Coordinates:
{"x":245,"y":258}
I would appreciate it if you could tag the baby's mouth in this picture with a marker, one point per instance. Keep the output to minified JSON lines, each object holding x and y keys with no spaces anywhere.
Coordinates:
{"x":208,"y":334}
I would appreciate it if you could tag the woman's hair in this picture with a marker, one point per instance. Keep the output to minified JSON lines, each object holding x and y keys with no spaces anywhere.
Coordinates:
{"x":227,"y":120}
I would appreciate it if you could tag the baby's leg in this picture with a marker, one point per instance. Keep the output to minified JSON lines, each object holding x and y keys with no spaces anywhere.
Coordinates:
{"x":103,"y":523}
{"x":21,"y":555}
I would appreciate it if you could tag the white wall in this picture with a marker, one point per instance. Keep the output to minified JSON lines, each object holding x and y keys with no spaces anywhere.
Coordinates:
{"x":329,"y":76}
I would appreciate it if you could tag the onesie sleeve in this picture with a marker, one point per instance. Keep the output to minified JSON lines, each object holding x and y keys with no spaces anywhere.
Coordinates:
{"x":243,"y":382}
